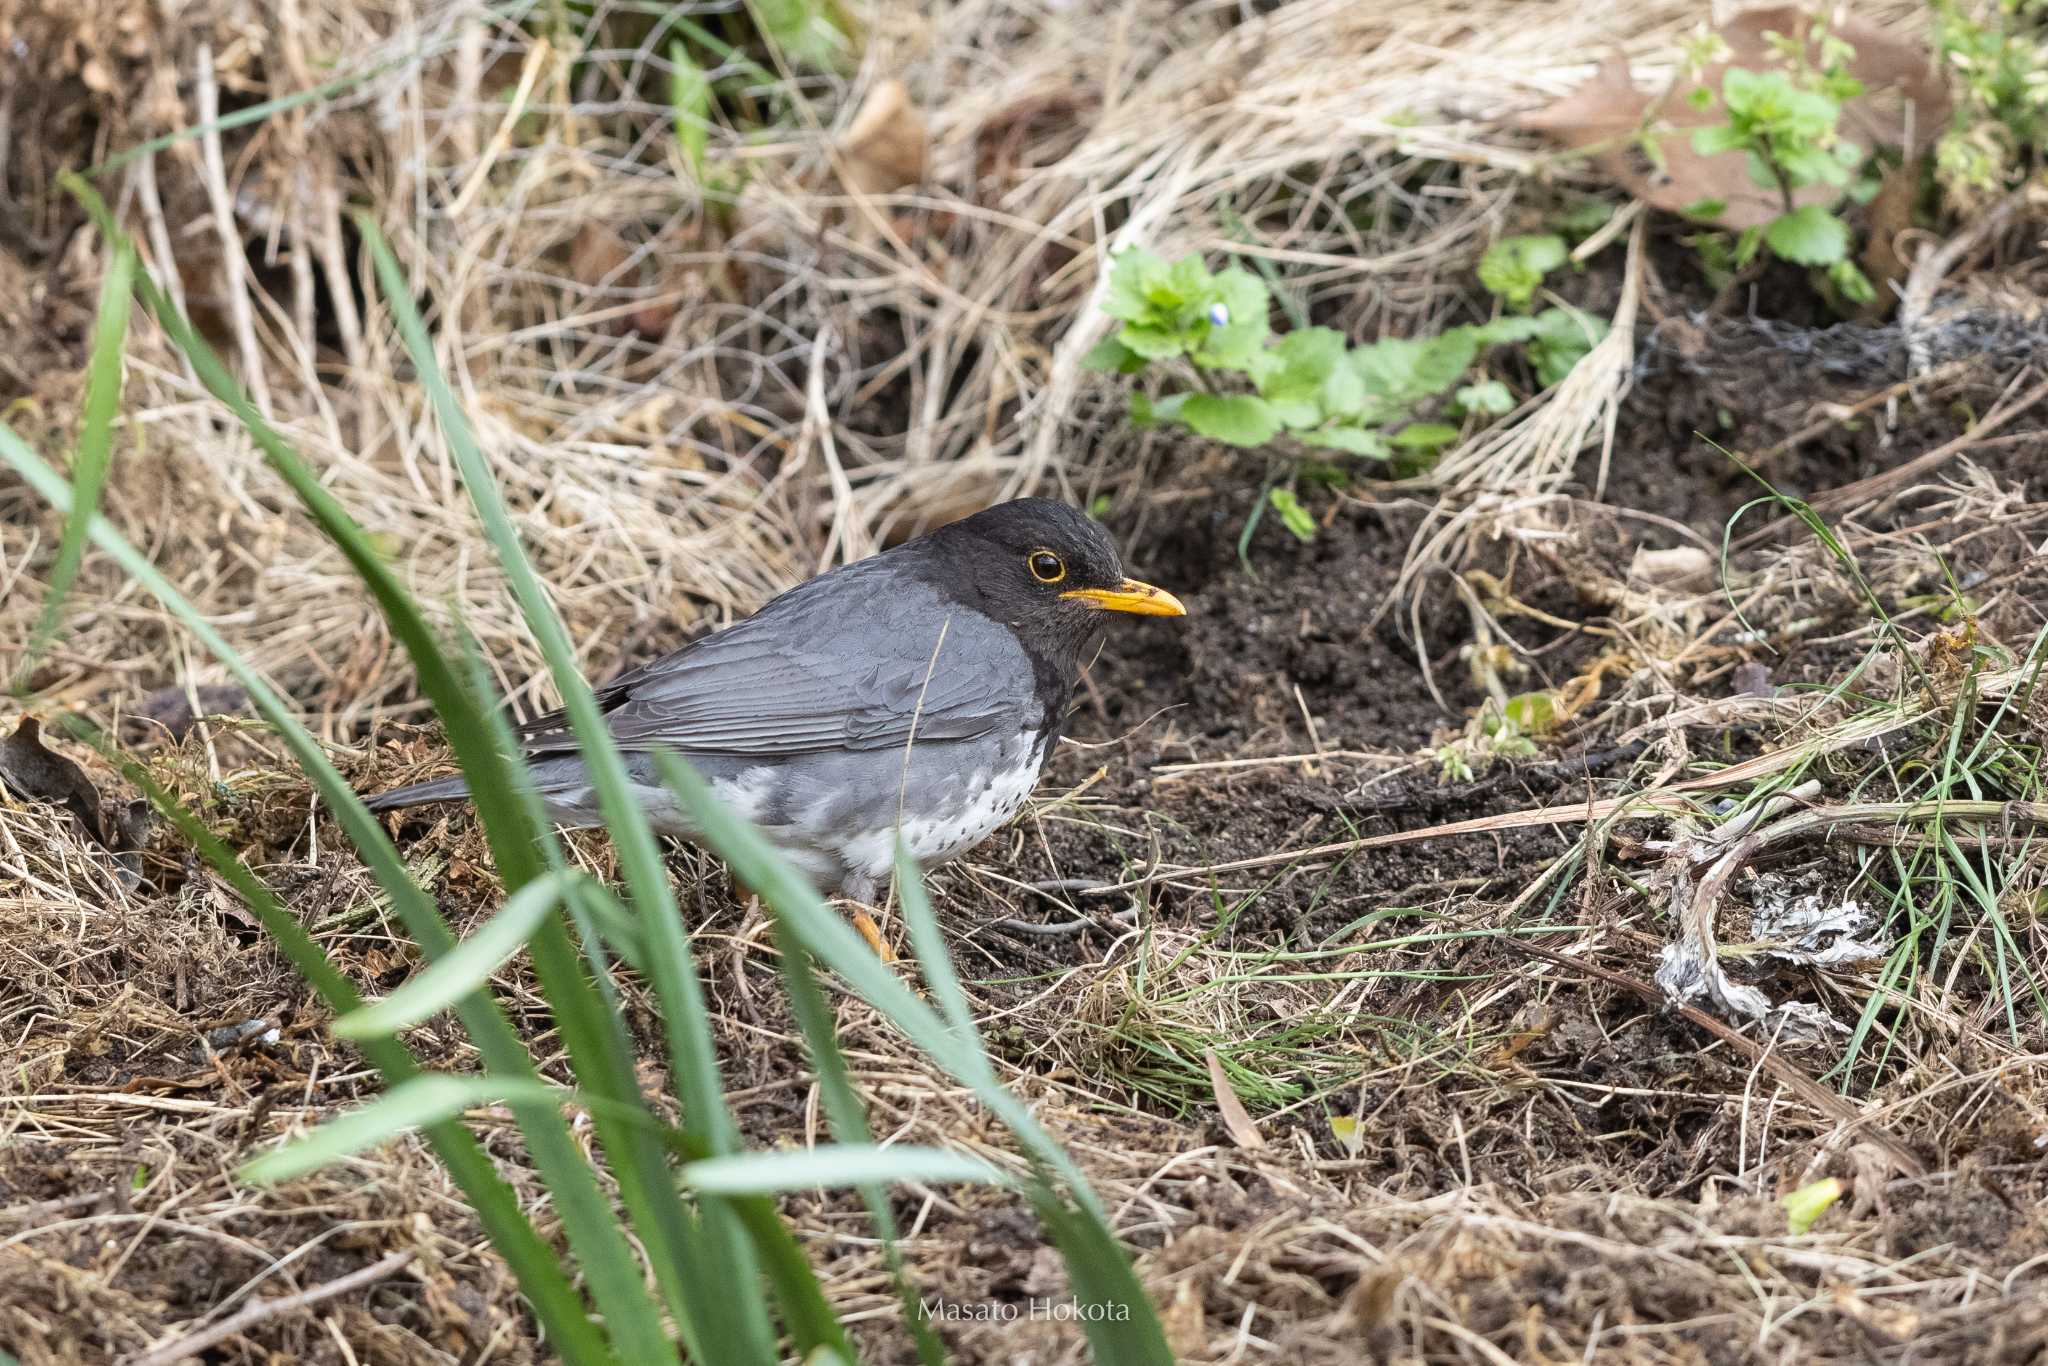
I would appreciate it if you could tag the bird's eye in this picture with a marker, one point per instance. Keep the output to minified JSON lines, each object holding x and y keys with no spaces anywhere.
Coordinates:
{"x":1047,"y":567}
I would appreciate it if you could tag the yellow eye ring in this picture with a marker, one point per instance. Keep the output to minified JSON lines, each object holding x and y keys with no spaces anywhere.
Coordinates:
{"x":1045,"y":566}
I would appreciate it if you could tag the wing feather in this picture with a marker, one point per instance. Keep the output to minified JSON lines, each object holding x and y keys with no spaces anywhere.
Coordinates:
{"x":806,"y":674}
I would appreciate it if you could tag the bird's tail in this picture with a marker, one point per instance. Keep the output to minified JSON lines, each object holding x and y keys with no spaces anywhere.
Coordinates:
{"x":416,"y":794}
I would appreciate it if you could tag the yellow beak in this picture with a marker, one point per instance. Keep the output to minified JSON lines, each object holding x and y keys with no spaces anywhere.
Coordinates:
{"x":1131,"y":596}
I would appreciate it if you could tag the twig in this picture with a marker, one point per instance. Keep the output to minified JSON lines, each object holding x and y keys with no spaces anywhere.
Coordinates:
{"x":1784,"y":1069}
{"x":234,"y":265}
{"x":1059,"y":929}
{"x":194,"y":1343}
{"x":1837,"y":414}
{"x":1865,"y":489}
{"x":1532,"y":777}
{"x":1933,"y":267}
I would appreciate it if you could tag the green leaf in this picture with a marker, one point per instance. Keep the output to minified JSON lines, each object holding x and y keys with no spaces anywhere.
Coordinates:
{"x":1405,"y":371}
{"x":831,"y":1167}
{"x":1743,"y":90}
{"x":468,"y":966}
{"x":1809,"y":1202}
{"x":1444,"y":360}
{"x":1186,"y":281}
{"x":1512,"y":328}
{"x":1149,"y":342}
{"x":1344,"y":392}
{"x":1810,"y":236}
{"x":1351,"y":440}
{"x":690,"y":103}
{"x":1303,"y":365}
{"x":1244,"y":301}
{"x":1425,"y":436}
{"x":1708,"y":208}
{"x":1746,"y":245}
{"x":1111,"y":354}
{"x":422,"y":1101}
{"x":1307,"y":358}
{"x":95,"y":449}
{"x":1808,"y":164}
{"x":1853,"y":283}
{"x":1238,"y":420}
{"x":1533,"y":713}
{"x":1566,"y":337}
{"x":1293,"y":515}
{"x":594,"y":1234}
{"x":1132,"y":277}
{"x":684,"y":1251}
{"x":802,"y":29}
{"x":1146,"y":413}
{"x":1514,"y":267}
{"x":1296,"y":414}
{"x":1717,"y":138}
{"x":1585,"y":217}
{"x":1490,"y":397}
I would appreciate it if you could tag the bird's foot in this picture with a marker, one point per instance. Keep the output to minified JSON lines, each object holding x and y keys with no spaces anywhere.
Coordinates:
{"x":871,"y":932}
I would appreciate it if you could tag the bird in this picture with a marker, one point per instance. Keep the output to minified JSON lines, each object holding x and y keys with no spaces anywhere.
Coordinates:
{"x":918,"y":692}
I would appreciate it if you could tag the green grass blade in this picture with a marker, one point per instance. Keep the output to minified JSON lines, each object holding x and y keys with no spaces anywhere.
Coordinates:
{"x":428,"y":1099}
{"x":533,"y":1263}
{"x":1102,"y":1274}
{"x":95,"y":449}
{"x":1121,"y":1326}
{"x":834,"y":1165}
{"x":608,"y":1261}
{"x":928,"y":942}
{"x":674,"y":969}
{"x":690,"y":104}
{"x":819,"y":929}
{"x":720,"y":1327}
{"x":468,"y":966}
{"x":849,"y":1121}
{"x":586,"y":897}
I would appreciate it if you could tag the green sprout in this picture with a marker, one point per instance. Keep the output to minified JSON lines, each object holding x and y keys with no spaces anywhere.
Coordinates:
{"x":1786,"y":123}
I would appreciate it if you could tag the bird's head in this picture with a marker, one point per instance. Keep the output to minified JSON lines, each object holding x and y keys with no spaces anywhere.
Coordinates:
{"x":1048,"y":570}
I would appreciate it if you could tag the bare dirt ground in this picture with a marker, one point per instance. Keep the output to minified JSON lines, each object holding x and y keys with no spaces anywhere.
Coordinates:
{"x":1475,"y":1130}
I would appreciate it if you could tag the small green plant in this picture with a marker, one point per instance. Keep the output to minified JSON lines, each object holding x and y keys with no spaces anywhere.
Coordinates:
{"x":1998,"y":62}
{"x":1500,"y":729}
{"x":1514,"y":267}
{"x":1786,"y":122}
{"x":1386,"y":400}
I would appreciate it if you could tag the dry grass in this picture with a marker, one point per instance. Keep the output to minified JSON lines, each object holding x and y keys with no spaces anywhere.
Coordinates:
{"x":688,"y":416}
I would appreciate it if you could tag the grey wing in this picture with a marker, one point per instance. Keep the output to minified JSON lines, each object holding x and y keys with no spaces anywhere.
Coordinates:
{"x":802,"y":677}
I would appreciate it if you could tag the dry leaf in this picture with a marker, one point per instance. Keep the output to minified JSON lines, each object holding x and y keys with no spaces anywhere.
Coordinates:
{"x":1606,"y":115}
{"x":1187,"y":1333}
{"x":598,"y":257}
{"x":1894,"y":1323}
{"x":31,"y":770}
{"x":886,"y":147}
{"x":1236,"y":1122}
{"x":1371,"y":1301}
{"x":1891,"y":216}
